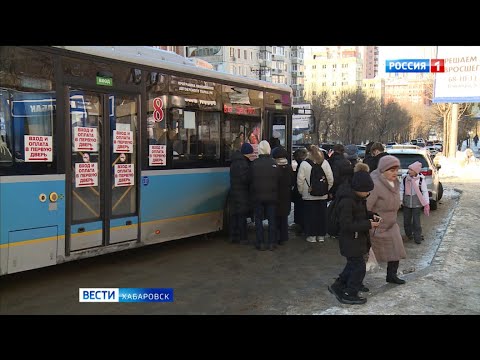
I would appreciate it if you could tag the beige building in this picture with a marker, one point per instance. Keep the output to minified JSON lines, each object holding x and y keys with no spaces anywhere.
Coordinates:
{"x":333,"y":69}
{"x":374,"y":88}
{"x":348,"y":68}
{"x":409,"y":90}
{"x":277,"y":64}
{"x":370,"y":62}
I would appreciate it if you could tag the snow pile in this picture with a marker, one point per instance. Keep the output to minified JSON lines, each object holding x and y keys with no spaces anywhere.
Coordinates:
{"x":461,"y":166}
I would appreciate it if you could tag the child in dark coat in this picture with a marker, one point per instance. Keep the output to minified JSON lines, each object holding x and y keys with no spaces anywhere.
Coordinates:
{"x":354,"y":237}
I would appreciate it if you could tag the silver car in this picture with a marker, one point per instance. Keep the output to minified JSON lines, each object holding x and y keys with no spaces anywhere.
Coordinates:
{"x":408,"y":156}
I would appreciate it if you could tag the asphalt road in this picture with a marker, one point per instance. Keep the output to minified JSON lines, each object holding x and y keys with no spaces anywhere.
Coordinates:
{"x":211,"y":276}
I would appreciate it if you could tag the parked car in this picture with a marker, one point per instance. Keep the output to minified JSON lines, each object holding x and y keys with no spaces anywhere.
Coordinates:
{"x":408,"y":156}
{"x":361,"y":151}
{"x":432,"y":150}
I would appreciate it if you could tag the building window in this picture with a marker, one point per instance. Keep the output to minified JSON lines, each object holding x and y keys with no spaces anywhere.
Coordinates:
{"x":232,"y":52}
{"x":238,"y":53}
{"x":245,"y":54}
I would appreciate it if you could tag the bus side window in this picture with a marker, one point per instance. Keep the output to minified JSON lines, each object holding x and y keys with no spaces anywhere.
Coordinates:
{"x":5,"y":130}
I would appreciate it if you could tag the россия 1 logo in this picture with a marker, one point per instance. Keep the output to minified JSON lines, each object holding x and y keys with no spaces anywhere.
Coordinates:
{"x":415,"y":66}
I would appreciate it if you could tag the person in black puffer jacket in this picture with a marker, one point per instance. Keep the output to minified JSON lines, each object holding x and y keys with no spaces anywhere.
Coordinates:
{"x":239,"y":197}
{"x":265,"y":185}
{"x":340,"y":166}
{"x":354,"y":237}
{"x":377,"y":151}
{"x":284,"y":193}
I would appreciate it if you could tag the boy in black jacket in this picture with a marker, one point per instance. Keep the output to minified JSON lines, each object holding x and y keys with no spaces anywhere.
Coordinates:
{"x":354,"y":237}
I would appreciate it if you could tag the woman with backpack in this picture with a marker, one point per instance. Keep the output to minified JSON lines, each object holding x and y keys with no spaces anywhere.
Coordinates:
{"x":314,"y":206}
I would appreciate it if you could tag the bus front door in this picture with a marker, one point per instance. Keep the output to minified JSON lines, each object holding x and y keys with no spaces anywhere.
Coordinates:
{"x":103,"y":187}
{"x":278,"y":124}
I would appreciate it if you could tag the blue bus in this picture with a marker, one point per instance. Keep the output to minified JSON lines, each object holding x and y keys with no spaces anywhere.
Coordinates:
{"x":107,"y":148}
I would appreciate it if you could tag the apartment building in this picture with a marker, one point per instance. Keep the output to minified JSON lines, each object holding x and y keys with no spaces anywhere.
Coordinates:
{"x":277,"y":64}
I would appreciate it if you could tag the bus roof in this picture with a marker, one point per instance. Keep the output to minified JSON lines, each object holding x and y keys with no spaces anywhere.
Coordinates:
{"x":168,"y":60}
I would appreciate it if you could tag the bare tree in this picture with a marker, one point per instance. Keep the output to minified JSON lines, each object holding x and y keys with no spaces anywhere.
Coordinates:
{"x":323,"y":117}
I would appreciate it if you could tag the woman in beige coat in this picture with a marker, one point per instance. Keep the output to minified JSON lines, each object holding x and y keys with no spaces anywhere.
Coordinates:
{"x":384,"y":200}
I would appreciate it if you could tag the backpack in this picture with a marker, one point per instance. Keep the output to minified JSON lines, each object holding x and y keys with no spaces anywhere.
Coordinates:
{"x":333,"y":224}
{"x":419,"y":183}
{"x":318,"y":185}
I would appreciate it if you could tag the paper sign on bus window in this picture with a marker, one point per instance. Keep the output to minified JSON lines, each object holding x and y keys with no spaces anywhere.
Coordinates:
{"x":86,"y":174}
{"x":157,"y":155}
{"x":85,"y":139}
{"x":38,"y":148}
{"x":124,"y":175}
{"x":189,"y":120}
{"x":122,"y":141}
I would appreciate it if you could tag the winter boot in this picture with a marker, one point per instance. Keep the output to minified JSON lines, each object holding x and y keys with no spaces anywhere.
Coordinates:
{"x":351,"y":297}
{"x":337,"y":288}
{"x":392,"y":277}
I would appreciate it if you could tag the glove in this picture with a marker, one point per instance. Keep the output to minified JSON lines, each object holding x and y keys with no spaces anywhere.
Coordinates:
{"x":426,"y":210}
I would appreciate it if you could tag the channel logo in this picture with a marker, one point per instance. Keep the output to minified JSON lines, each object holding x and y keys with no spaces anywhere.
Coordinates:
{"x":415,"y":66}
{"x":125,"y":295}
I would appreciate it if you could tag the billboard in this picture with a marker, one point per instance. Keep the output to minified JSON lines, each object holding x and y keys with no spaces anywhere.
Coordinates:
{"x":460,"y":83}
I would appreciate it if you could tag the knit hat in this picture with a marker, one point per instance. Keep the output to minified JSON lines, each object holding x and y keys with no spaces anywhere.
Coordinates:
{"x":362,"y":181}
{"x":276,"y":134}
{"x":351,"y":152}
{"x":416,"y":166}
{"x":279,"y":152}
{"x":386,"y":162}
{"x":264,"y":148}
{"x":246,"y":149}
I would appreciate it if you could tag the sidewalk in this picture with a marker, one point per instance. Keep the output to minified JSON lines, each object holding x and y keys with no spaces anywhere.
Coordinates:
{"x":450,"y":285}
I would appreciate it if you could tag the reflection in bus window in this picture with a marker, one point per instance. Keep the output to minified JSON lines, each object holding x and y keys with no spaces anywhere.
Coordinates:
{"x":238,"y":128}
{"x":5,"y":126}
{"x":197,"y":136}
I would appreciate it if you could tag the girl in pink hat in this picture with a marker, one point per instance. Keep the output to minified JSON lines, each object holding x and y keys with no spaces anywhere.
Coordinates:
{"x":414,"y":197}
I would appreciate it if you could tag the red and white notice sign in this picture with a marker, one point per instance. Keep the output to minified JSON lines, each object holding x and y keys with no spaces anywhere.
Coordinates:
{"x":122,"y":141}
{"x":124,"y":174}
{"x":157,"y":155}
{"x":38,"y":148}
{"x":85,"y":139}
{"x":86,"y":174}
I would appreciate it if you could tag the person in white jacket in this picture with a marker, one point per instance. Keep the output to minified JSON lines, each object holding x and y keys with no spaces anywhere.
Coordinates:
{"x":315,"y":207}
{"x":414,"y":197}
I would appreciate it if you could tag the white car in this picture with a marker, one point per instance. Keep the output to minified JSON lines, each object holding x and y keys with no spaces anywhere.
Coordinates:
{"x":408,"y":156}
{"x":432,"y":150}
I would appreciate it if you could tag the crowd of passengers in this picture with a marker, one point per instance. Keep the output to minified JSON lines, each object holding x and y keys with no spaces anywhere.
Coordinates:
{"x":367,"y":193}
